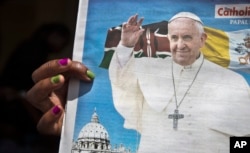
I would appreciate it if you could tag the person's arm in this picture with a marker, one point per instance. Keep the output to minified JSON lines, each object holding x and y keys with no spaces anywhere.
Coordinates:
{"x":50,"y":90}
{"x":126,"y":94}
{"x":131,"y":32}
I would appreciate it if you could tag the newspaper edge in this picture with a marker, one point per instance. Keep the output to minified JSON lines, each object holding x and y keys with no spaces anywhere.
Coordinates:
{"x":73,"y":90}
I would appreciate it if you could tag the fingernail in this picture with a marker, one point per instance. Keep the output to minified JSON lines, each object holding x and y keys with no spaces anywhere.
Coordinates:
{"x":55,"y":79}
{"x":63,"y":61}
{"x":56,"y":110}
{"x":90,"y":74}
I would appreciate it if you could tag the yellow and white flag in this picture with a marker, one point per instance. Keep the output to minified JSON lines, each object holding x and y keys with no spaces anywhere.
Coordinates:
{"x":228,"y":49}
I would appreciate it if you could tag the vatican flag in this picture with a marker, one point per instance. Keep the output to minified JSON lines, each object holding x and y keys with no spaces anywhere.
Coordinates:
{"x":216,"y":48}
{"x":229,"y":49}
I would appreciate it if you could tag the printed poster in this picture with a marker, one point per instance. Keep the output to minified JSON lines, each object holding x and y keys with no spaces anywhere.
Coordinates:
{"x":92,"y":122}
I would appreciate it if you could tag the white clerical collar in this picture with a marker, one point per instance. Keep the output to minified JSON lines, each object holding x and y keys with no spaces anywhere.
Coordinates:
{"x":187,"y":67}
{"x":193,"y":66}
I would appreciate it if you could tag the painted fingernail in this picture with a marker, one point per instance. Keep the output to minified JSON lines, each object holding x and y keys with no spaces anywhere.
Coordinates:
{"x":55,"y":79}
{"x":90,"y":74}
{"x":56,"y":110}
{"x":63,"y":61}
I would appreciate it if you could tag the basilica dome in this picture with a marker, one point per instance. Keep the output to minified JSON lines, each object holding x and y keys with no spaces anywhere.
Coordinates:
{"x":94,"y":131}
{"x":93,"y":137}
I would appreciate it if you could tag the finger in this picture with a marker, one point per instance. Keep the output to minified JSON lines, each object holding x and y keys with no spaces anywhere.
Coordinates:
{"x":140,"y":21}
{"x":124,"y":25}
{"x":51,"y":68}
{"x":132,"y":20}
{"x":80,"y":71}
{"x":66,"y":67}
{"x":51,"y":122}
{"x":136,"y":22}
{"x":40,"y":94}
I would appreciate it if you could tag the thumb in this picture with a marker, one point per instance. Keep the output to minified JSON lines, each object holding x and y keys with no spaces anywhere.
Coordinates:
{"x":51,"y":122}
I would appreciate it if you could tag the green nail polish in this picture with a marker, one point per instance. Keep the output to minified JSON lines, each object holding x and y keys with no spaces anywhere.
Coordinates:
{"x":55,"y":79}
{"x":90,"y":74}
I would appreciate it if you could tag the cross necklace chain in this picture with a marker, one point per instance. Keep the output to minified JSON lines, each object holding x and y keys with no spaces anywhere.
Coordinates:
{"x":176,"y":116}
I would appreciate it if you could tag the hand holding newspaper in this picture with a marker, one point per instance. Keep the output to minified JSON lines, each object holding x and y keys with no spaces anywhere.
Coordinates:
{"x":181,"y":87}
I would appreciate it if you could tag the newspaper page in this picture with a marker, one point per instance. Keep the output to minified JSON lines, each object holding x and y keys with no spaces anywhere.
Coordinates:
{"x":140,"y":101}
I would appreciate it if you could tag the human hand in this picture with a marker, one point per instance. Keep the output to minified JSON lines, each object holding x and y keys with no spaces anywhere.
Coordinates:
{"x":50,"y":91}
{"x":131,"y":31}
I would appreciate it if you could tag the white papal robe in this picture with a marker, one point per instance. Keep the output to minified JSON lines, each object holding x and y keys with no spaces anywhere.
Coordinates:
{"x":216,"y":107}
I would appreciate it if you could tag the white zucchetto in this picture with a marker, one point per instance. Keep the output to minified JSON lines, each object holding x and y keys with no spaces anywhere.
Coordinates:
{"x":186,"y":15}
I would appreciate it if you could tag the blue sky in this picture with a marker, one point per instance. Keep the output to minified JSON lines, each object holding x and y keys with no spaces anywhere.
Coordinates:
{"x":103,"y":14}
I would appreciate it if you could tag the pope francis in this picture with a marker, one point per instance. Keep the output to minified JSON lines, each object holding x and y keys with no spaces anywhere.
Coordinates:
{"x":179,"y":104}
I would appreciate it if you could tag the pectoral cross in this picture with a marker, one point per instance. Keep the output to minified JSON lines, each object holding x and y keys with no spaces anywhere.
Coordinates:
{"x":175,"y":118}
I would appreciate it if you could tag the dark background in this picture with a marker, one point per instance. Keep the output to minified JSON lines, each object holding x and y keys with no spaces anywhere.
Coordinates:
{"x":20,"y":18}
{"x":18,"y":21}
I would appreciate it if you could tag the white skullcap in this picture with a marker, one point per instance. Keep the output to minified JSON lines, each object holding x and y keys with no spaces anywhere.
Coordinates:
{"x":186,"y":15}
